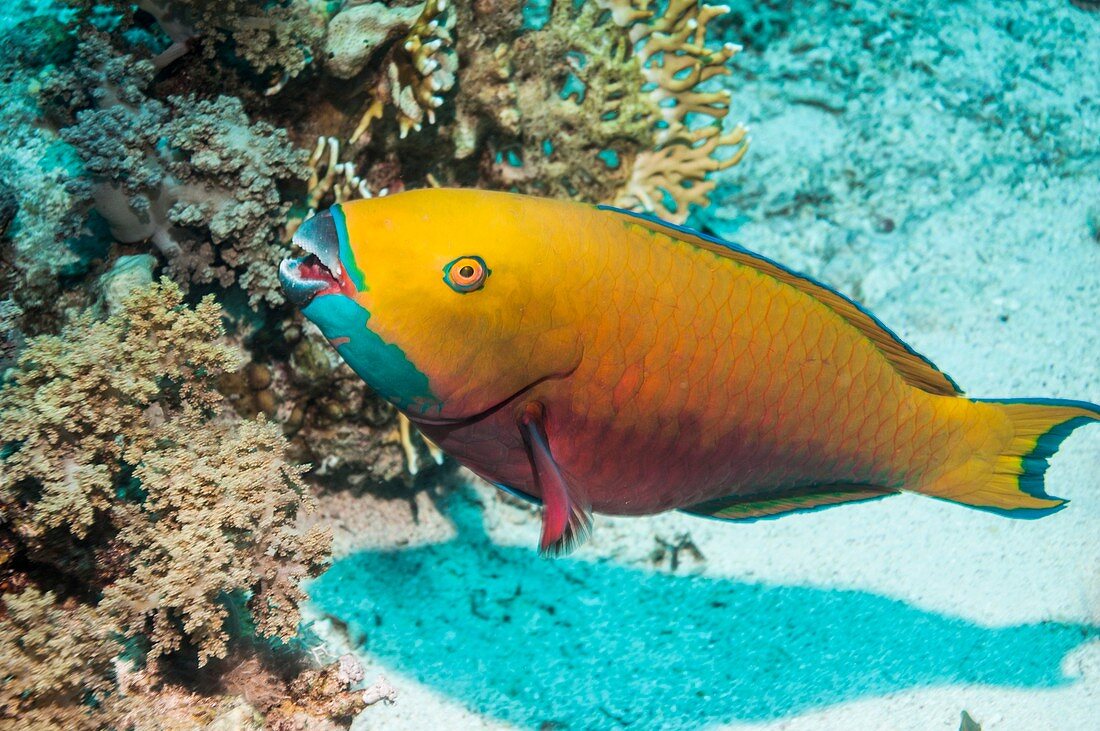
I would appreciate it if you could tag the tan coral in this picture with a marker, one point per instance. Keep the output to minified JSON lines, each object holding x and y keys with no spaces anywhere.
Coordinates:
{"x":226,"y":504}
{"x":675,"y":60}
{"x":604,"y":102}
{"x":54,"y":655}
{"x":626,"y":13}
{"x":182,"y":504}
{"x":667,"y":180}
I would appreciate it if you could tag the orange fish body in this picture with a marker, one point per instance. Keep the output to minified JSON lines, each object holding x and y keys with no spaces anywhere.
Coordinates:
{"x":603,"y":361}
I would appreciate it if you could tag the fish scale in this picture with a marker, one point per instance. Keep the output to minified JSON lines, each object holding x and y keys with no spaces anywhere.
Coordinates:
{"x":599,"y":360}
{"x":710,"y":451}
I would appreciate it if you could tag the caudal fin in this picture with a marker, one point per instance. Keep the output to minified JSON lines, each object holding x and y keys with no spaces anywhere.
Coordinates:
{"x":1011,"y":481}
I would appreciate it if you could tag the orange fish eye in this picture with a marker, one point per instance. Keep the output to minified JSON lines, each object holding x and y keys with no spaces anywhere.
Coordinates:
{"x":466,"y":274}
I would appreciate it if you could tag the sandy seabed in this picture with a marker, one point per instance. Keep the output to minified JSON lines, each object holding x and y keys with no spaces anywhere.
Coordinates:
{"x":941,"y":164}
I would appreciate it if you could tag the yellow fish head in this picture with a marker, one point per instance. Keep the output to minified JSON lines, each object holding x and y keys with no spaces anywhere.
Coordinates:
{"x":447,"y":303}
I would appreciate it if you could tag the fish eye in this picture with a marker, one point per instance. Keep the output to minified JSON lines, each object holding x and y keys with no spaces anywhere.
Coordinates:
{"x":466,"y":274}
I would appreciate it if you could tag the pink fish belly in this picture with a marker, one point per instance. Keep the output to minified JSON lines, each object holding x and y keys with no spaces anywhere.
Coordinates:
{"x":621,"y":467}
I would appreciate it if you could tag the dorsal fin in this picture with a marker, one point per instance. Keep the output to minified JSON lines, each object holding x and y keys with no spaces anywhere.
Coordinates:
{"x":913,"y":367}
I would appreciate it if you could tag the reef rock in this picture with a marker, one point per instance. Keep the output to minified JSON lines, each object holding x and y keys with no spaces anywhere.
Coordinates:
{"x":358,"y":31}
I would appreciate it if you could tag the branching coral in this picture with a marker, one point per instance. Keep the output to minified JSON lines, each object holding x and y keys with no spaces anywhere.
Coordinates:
{"x":674,"y":176}
{"x":420,"y":69}
{"x":174,"y":506}
{"x":330,"y":176}
{"x":331,"y":181}
{"x":227,"y":170}
{"x":225,"y":502}
{"x":675,"y":60}
{"x":604,"y":100}
{"x":194,"y":176}
{"x":75,"y":417}
{"x":146,"y":526}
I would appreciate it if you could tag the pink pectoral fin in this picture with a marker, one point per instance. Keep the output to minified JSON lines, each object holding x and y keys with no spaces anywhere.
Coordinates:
{"x":566,"y":520}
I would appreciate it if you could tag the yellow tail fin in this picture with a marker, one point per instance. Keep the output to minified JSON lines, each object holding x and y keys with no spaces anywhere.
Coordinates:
{"x":1011,"y":481}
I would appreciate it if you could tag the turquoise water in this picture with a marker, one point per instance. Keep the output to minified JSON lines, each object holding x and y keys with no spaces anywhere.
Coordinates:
{"x":594,"y":644}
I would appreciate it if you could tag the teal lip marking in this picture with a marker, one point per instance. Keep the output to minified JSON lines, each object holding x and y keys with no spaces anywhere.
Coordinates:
{"x":347,"y":257}
{"x":382,"y":365}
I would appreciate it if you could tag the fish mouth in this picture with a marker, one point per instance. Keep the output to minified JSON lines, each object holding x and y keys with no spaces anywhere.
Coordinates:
{"x":320,"y":271}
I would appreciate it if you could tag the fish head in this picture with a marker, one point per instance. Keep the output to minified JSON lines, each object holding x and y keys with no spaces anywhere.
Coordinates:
{"x":443,"y":301}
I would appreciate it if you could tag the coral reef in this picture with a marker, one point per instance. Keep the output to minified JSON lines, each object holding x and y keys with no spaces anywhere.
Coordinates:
{"x":419,"y":71}
{"x":34,"y":200}
{"x":153,"y":502}
{"x":62,"y":413}
{"x":604,"y":100}
{"x":193,"y":176}
{"x":615,"y":112}
{"x":357,"y":32}
{"x":279,"y":37}
{"x":49,"y":674}
{"x":126,"y":487}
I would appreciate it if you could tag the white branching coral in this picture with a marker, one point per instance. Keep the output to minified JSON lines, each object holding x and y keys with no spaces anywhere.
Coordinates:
{"x":419,"y":72}
{"x":331,"y":181}
{"x":330,"y":176}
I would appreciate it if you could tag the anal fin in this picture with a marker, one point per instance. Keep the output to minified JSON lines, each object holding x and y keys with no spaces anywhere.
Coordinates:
{"x":758,"y":506}
{"x":566,"y":517}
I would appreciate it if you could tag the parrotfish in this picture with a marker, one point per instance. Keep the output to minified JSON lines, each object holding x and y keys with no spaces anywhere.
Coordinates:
{"x":594,"y":359}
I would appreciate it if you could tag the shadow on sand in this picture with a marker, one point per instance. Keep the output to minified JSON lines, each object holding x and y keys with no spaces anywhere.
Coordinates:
{"x":581,"y":645}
